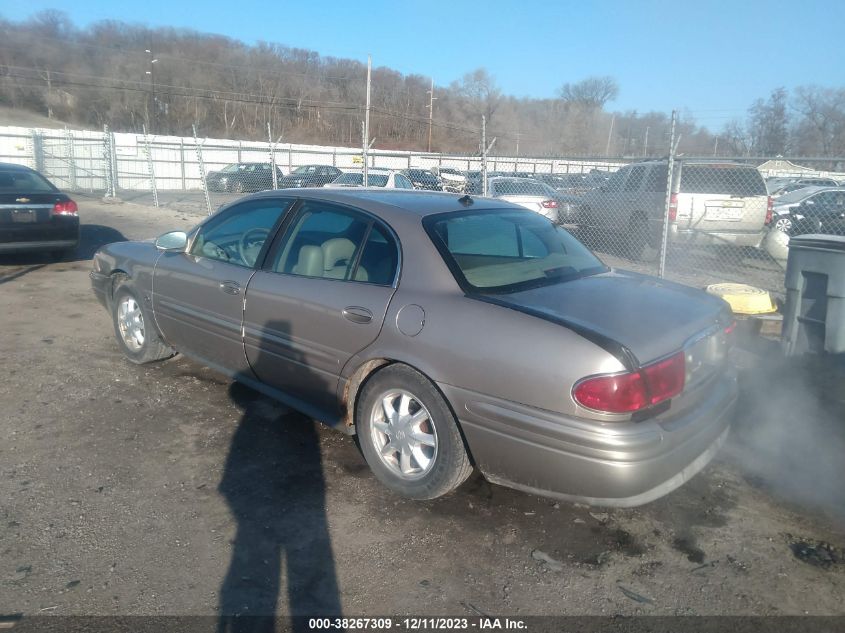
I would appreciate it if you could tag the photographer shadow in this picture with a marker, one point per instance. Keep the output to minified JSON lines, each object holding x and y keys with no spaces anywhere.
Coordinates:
{"x":273,"y":483}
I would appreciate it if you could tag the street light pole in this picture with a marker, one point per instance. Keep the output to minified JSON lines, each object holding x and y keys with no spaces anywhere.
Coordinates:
{"x":151,"y":73}
{"x":430,"y":112}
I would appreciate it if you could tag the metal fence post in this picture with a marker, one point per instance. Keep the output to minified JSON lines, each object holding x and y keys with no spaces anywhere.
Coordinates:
{"x":483,"y":155}
{"x":202,"y":170}
{"x":150,"y":167}
{"x":272,"y":156}
{"x":107,"y":161}
{"x":182,"y":163}
{"x":71,"y":159}
{"x":38,"y":151}
{"x":665,"y":238}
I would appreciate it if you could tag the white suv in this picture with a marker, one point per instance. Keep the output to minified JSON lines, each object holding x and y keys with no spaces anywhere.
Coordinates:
{"x":711,"y":202}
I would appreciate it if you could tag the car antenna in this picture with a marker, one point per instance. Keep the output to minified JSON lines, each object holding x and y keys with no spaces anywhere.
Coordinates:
{"x":466,"y":200}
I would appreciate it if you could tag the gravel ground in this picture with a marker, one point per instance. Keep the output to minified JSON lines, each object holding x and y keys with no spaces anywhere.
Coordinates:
{"x":165,"y":489}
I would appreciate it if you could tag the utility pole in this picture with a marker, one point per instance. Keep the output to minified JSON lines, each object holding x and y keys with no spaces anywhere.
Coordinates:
{"x":367,"y":120}
{"x":485,"y":149}
{"x":151,"y":73}
{"x":430,"y":112}
{"x":609,"y":136}
{"x":645,"y":143}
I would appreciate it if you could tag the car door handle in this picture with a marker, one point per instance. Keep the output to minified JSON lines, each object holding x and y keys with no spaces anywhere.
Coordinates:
{"x":230,"y":287}
{"x":357,"y":314}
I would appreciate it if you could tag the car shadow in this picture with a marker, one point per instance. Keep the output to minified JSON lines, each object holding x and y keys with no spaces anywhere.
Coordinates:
{"x":274,"y":485}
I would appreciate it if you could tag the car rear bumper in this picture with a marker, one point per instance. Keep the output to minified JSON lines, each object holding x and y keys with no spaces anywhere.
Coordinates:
{"x":604,"y":464}
{"x":717,"y":236}
{"x":56,"y":235}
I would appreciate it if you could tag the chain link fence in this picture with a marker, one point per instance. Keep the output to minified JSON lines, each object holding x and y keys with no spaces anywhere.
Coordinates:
{"x":694,"y":220}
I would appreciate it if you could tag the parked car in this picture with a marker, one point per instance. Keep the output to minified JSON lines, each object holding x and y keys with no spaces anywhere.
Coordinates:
{"x":423,"y":179}
{"x":243,"y":177}
{"x":310,"y":176}
{"x":711,"y":202}
{"x":822,"y":212}
{"x":376,"y":177}
{"x":573,"y":184}
{"x":525,"y":192}
{"x":447,"y":332}
{"x":783,"y":208}
{"x":451,"y":179}
{"x":800,"y":183}
{"x":34,"y":214}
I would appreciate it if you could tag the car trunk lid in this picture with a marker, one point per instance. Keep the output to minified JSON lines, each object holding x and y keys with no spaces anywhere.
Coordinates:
{"x":27,"y":208}
{"x":648,"y":317}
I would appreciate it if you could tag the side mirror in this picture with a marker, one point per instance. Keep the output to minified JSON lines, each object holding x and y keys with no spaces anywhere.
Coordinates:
{"x":173,"y":241}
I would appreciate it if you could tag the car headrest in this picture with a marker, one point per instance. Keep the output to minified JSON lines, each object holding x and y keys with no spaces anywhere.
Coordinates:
{"x":310,"y":262}
{"x":336,"y":250}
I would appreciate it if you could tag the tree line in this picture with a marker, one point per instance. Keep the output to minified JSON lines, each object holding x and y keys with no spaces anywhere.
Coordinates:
{"x":166,"y":80}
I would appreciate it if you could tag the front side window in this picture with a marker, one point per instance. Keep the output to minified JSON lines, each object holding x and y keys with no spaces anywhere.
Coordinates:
{"x":237,"y":235}
{"x":505,"y":250}
{"x":331,"y":242}
{"x":614,"y":183}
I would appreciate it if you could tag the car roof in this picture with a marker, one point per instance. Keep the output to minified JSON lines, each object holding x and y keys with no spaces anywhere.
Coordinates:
{"x":400,"y":201}
{"x":14,"y":167}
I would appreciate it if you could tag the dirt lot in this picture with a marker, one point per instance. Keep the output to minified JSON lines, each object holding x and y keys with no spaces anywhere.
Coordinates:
{"x":165,"y":489}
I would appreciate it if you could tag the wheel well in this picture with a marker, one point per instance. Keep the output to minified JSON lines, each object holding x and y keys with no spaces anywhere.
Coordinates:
{"x":353,"y":386}
{"x":116,"y":277}
{"x":366,"y":371}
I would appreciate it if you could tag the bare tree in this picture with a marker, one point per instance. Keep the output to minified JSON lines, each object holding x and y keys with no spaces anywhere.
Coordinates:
{"x":768,"y":124}
{"x":592,"y":92}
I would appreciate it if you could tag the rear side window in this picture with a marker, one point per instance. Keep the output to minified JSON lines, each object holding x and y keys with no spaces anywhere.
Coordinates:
{"x":722,"y":179}
{"x":634,"y":180}
{"x":24,"y":182}
{"x":655,"y":180}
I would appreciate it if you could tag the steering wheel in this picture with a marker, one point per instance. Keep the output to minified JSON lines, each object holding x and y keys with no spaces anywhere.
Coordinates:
{"x":249,"y":256}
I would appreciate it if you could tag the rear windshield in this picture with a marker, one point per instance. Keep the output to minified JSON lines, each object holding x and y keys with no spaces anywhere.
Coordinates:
{"x":506,"y":250}
{"x":24,"y":182}
{"x":519,"y":188}
{"x":731,"y":180}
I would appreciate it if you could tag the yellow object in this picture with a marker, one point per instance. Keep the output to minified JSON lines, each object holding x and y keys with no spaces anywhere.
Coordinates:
{"x":744,"y":299}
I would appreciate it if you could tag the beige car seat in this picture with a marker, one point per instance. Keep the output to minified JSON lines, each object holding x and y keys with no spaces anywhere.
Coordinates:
{"x":337,"y":254}
{"x":310,"y":262}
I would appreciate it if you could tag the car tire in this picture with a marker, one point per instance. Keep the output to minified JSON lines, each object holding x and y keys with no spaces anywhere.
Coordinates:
{"x":783,"y":224}
{"x":134,"y":328}
{"x":415,"y":469}
{"x":237,"y":187}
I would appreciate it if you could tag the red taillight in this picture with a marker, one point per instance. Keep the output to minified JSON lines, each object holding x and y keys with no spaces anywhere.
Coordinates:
{"x":665,"y":378}
{"x":673,"y":207}
{"x":622,"y":393}
{"x":770,"y":207}
{"x":632,"y":391}
{"x":549,"y":204}
{"x":67,"y":207}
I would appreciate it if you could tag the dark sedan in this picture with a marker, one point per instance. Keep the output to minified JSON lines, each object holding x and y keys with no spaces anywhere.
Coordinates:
{"x":823,"y":212}
{"x":449,"y":333}
{"x":34,"y":214}
{"x":243,"y":177}
{"x":310,"y":176}
{"x":423,"y":179}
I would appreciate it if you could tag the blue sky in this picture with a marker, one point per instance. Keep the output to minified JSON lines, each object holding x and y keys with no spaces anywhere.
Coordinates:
{"x":711,"y":57}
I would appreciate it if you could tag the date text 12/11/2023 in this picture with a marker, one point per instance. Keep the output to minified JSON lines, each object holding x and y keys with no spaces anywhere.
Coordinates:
{"x":417,"y":624}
